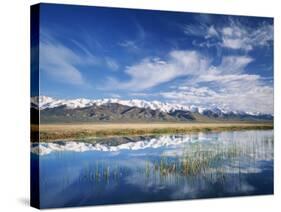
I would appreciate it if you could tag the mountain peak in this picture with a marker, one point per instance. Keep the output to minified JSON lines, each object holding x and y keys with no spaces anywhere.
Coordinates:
{"x":46,"y":102}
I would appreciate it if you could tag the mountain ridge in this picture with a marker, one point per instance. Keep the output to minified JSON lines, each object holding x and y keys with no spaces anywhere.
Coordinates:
{"x":114,"y":110}
{"x":50,"y":102}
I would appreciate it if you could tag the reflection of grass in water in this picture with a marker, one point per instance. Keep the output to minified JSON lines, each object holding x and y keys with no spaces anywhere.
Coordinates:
{"x":195,"y":160}
{"x":214,"y":164}
{"x":194,"y":163}
{"x":188,"y":165}
{"x":99,"y":173}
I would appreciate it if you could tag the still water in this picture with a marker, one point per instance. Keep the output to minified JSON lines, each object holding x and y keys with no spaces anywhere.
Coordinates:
{"x":155,"y":168}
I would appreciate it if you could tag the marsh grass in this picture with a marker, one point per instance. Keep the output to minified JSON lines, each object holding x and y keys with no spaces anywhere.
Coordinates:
{"x":68,"y":131}
{"x":165,"y":168}
{"x":212,"y":162}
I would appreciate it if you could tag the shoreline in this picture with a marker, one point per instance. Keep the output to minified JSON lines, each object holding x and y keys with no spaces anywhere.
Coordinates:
{"x":65,"y":132}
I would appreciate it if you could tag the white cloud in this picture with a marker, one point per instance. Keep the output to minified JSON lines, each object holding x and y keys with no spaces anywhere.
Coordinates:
{"x":201,"y":29}
{"x":237,"y":36}
{"x":111,"y":63}
{"x":234,"y":64}
{"x":89,"y":57}
{"x":244,"y":95}
{"x":134,"y":44}
{"x":227,"y":78}
{"x":116,"y":96}
{"x":151,"y":72}
{"x":195,"y":30}
{"x":59,"y":62}
{"x":235,"y":43}
{"x":226,"y":86}
{"x":211,"y":32}
{"x":62,"y":64}
{"x":141,"y":94}
{"x":227,"y":31}
{"x":129,"y":44}
{"x":263,"y":35}
{"x":233,"y":35}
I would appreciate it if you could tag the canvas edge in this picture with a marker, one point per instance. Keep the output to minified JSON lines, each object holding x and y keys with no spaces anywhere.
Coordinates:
{"x":34,"y":112}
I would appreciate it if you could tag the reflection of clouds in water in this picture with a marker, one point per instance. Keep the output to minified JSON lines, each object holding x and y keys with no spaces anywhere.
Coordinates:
{"x":55,"y":184}
{"x":233,"y":159}
{"x":257,"y":145}
{"x":146,"y":184}
{"x":191,"y":191}
{"x":232,"y":156}
{"x":235,"y":170}
{"x":180,"y":187}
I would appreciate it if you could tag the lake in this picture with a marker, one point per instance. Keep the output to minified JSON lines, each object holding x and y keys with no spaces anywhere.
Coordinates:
{"x":155,"y":168}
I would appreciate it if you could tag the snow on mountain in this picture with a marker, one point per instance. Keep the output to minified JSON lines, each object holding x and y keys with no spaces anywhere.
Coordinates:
{"x":49,"y":102}
{"x":167,"y":140}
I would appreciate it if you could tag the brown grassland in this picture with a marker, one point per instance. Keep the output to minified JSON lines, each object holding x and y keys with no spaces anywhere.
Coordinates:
{"x":53,"y":132}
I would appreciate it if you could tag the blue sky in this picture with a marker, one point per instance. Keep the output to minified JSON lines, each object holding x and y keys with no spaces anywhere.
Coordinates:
{"x":186,"y":58}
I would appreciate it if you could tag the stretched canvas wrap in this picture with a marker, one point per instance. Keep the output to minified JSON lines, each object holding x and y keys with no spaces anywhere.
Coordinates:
{"x":131,"y":105}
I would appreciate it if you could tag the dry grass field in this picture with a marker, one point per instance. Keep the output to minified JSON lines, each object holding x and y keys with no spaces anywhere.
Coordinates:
{"x":52,"y":132}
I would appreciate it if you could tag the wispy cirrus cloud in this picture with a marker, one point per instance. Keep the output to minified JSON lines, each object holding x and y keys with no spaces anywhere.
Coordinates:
{"x":129,"y":44}
{"x":244,"y":93}
{"x":111,"y":63}
{"x":233,"y":35}
{"x":60,"y":63}
{"x":63,"y":64}
{"x":237,"y":36}
{"x":134,"y":43}
{"x":187,"y":58}
{"x":151,"y":72}
{"x":226,"y":85}
{"x":234,"y":64}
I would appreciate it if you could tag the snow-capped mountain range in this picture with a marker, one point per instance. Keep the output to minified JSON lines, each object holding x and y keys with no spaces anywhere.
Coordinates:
{"x":49,"y":102}
{"x":46,"y":102}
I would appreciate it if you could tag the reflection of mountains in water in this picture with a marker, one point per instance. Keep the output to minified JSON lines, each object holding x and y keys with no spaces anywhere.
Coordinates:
{"x":172,"y":145}
{"x":176,"y":166}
